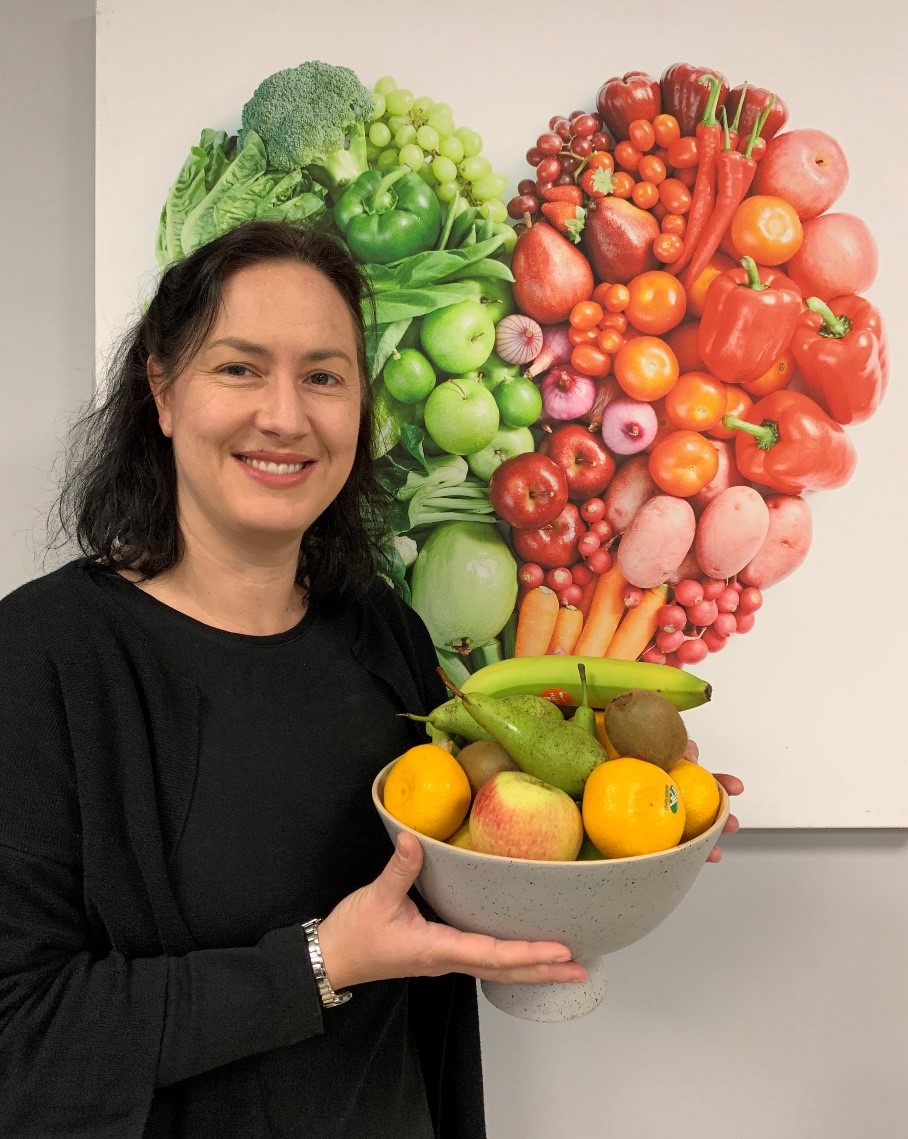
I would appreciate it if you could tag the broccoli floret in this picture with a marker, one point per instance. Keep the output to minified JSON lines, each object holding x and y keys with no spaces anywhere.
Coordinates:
{"x":312,"y":116}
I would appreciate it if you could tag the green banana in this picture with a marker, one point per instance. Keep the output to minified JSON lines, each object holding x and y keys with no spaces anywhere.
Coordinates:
{"x":605,"y":678}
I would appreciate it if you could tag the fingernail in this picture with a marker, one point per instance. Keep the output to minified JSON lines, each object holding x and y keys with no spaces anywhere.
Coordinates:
{"x":401,"y":849}
{"x":564,"y":955}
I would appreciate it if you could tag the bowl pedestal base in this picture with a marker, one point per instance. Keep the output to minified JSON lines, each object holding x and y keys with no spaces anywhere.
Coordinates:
{"x":550,"y":1002}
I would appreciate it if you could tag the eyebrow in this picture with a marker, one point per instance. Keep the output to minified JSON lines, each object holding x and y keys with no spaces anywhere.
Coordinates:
{"x":315,"y":355}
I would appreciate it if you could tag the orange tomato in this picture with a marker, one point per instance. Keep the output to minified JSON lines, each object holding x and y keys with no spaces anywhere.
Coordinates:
{"x":696,"y":294}
{"x":684,"y":342}
{"x":663,"y":427}
{"x":668,"y":247}
{"x":683,"y":463}
{"x":666,"y":130}
{"x":737,"y":402}
{"x":590,"y":360}
{"x":773,"y":379}
{"x":616,"y":298}
{"x":599,"y":293}
{"x":585,"y":314}
{"x":582,"y":335}
{"x":767,"y":229}
{"x":652,"y":169}
{"x":674,"y":223}
{"x":609,"y":340}
{"x":697,"y":401}
{"x":656,"y":303}
{"x":646,"y":368}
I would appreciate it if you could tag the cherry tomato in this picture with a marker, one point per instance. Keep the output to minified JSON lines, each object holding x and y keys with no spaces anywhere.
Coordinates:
{"x":641,"y":134}
{"x":622,"y":184}
{"x":659,"y":211}
{"x":656,"y":302}
{"x":683,"y":463}
{"x":696,"y":294}
{"x":675,"y":196}
{"x":773,"y":379}
{"x":627,"y":155}
{"x":668,"y":247}
{"x":585,"y":314}
{"x":767,"y":229}
{"x":590,"y":360}
{"x":674,"y":223}
{"x":646,"y":368}
{"x":697,"y":401}
{"x":609,"y":340}
{"x":645,"y":195}
{"x":599,"y":293}
{"x":616,"y":298}
{"x":687,"y":177}
{"x":684,"y":342}
{"x":616,"y":320}
{"x":583,"y":335}
{"x":737,"y":403}
{"x":683,"y":153}
{"x":652,"y":169}
{"x":666,"y":129}
{"x":601,"y":160}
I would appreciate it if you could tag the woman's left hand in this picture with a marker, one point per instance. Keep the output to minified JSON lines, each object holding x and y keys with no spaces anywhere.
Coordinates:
{"x":732,"y":785}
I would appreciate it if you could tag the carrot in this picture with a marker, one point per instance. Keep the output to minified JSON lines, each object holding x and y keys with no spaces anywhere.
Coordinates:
{"x":605,"y":612}
{"x":589,"y":591}
{"x":536,"y":622}
{"x":568,"y":624}
{"x":638,"y":627}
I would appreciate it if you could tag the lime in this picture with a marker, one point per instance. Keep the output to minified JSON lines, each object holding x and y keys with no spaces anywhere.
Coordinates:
{"x":409,"y":376}
{"x":519,"y":402}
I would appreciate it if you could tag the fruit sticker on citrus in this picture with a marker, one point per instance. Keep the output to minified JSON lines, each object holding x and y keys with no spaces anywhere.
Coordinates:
{"x":428,"y":791}
{"x":631,"y":807}
{"x":700,"y":795}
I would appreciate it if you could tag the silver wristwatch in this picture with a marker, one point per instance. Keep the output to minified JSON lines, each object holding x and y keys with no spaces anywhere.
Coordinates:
{"x":329,"y":997}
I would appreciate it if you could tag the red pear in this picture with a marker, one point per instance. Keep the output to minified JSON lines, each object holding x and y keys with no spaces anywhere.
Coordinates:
{"x":550,"y":274}
{"x":618,"y":238}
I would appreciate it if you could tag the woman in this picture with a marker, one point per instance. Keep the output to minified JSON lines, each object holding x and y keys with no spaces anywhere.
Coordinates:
{"x":190,"y":720}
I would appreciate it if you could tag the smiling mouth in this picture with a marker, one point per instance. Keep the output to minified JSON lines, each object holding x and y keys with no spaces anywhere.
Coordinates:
{"x":275,"y":468}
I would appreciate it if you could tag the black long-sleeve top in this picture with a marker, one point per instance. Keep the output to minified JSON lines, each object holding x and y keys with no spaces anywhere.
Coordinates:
{"x":119,"y":1018}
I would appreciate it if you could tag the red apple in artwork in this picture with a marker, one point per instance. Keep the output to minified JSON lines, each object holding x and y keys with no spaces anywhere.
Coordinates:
{"x":583,"y":458}
{"x":553,"y":545}
{"x":528,"y":491}
{"x":516,"y":815}
{"x":807,"y":168}
{"x":837,"y":256}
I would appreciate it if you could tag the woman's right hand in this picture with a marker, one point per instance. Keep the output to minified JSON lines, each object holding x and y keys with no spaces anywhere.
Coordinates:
{"x":378,"y":932}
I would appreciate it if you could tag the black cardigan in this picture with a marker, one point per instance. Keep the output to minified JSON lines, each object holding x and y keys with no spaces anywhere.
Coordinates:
{"x":98,"y":745}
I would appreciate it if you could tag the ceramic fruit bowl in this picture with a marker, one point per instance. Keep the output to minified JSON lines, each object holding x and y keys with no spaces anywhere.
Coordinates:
{"x":594,"y":907}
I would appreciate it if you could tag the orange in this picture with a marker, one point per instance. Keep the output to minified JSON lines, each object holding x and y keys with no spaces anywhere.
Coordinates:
{"x":632,"y":807}
{"x":700,"y":795}
{"x":428,"y":791}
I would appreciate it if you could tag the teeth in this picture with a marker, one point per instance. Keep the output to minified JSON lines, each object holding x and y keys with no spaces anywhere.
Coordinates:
{"x":275,"y":468}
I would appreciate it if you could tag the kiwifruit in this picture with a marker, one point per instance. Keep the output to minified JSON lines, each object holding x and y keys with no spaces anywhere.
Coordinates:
{"x":483,"y":759}
{"x":646,"y":725}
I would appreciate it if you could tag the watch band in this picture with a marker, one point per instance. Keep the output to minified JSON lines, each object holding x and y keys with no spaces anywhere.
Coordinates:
{"x":329,"y":998}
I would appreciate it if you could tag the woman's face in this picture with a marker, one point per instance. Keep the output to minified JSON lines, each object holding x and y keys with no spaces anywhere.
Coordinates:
{"x":264,"y":419}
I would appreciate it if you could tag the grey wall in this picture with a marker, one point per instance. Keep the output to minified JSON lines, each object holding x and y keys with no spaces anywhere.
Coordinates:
{"x":773,"y":1004}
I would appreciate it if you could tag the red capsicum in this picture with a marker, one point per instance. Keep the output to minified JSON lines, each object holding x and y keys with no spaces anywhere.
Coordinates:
{"x":753,"y":101}
{"x":748,"y":319}
{"x":787,"y":442}
{"x":840,"y":350}
{"x":683,"y":95}
{"x":620,"y":100}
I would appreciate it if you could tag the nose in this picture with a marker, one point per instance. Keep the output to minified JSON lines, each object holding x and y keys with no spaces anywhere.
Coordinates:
{"x":282,"y":409}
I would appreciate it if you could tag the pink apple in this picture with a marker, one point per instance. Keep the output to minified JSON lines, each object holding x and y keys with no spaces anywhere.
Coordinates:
{"x":805,"y":167}
{"x":516,"y":815}
{"x":837,"y":256}
{"x":583,"y":458}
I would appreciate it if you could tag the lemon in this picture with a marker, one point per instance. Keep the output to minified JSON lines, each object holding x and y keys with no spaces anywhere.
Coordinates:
{"x":700,"y":795}
{"x":428,"y":791}
{"x":632,"y":807}
{"x":461,"y":837}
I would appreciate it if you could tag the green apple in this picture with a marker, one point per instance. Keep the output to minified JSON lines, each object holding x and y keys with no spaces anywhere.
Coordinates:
{"x":495,"y":371}
{"x":409,"y":376}
{"x":459,"y":337}
{"x":496,"y":296}
{"x":519,"y":402}
{"x":508,"y":441}
{"x":461,"y":416}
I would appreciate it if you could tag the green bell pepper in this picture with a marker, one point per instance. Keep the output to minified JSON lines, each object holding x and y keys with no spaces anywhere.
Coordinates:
{"x":385,"y":217}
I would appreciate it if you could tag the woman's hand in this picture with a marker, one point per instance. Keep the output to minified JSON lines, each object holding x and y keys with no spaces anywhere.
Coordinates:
{"x":732,"y":785}
{"x":378,"y":932}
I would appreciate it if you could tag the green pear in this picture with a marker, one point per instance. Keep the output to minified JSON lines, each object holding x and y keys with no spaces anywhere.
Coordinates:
{"x":453,"y":718}
{"x":585,"y":717}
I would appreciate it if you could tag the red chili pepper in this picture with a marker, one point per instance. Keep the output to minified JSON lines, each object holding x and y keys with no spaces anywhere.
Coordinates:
{"x":571,"y":194}
{"x":621,"y":100}
{"x":755,"y":100}
{"x":787,"y":442}
{"x":733,"y":131}
{"x":567,"y":218}
{"x":840,"y":350}
{"x":709,"y":138}
{"x":683,"y":95}
{"x":747,"y":322}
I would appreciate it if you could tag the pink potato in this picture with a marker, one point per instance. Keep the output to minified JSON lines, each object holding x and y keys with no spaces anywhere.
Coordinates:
{"x":657,"y":540}
{"x":629,"y":489}
{"x":787,"y":542}
{"x":726,"y":476}
{"x":731,"y":530}
{"x":689,"y":568}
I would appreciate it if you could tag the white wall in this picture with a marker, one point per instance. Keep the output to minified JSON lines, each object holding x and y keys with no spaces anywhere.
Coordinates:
{"x":773,"y":1004}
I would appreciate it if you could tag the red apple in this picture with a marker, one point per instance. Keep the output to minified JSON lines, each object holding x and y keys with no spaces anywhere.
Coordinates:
{"x":837,"y":256}
{"x":553,"y":545}
{"x":528,"y":491}
{"x":585,"y":461}
{"x":516,"y":815}
{"x":805,"y":167}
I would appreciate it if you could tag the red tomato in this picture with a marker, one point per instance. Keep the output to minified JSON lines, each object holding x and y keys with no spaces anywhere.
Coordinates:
{"x":646,"y":368}
{"x":675,"y":196}
{"x":683,"y":341}
{"x":616,"y":299}
{"x":697,"y":401}
{"x":683,"y":153}
{"x":645,"y":195}
{"x":657,"y":302}
{"x":622,"y":184}
{"x":668,"y":247}
{"x":585,"y":314}
{"x":641,"y":134}
{"x":773,"y":379}
{"x":627,"y":155}
{"x":590,"y":360}
{"x":683,"y":463}
{"x":666,"y":130}
{"x":652,"y":169}
{"x":674,"y":223}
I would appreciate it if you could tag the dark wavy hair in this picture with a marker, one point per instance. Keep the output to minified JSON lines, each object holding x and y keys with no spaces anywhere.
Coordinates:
{"x":118,"y":498}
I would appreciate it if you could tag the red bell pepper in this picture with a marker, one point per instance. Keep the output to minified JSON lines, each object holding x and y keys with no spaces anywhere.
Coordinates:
{"x":747,"y":322}
{"x":754,"y":100}
{"x":787,"y":442}
{"x":709,"y":139}
{"x":621,"y":100}
{"x":683,"y":95}
{"x":840,"y":350}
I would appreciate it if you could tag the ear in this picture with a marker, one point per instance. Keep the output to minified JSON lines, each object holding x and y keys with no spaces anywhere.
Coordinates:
{"x":160,"y":391}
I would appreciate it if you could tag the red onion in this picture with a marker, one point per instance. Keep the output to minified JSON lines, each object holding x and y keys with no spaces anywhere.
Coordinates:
{"x":629,"y":426}
{"x":567,"y":394}
{"x":518,"y":339}
{"x":556,"y":349}
{"x":607,"y":389}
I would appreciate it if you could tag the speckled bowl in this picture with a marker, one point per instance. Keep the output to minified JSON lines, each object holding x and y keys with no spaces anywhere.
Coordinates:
{"x":593,"y":907}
